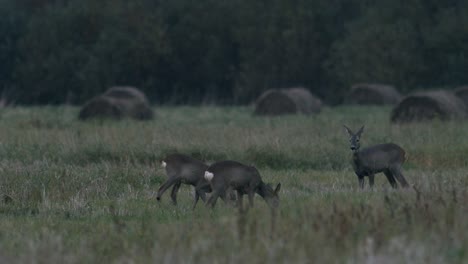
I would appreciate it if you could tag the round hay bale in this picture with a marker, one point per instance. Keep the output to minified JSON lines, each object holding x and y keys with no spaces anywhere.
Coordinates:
{"x":100,"y":107}
{"x":306,"y":102}
{"x":274,"y":102}
{"x":423,"y":106}
{"x":373,"y":94}
{"x":287,"y":101}
{"x":113,"y":108}
{"x":135,"y":109}
{"x":462,"y":93}
{"x":126,"y":92}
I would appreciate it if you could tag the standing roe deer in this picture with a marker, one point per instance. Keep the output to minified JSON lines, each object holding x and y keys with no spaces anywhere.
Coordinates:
{"x":184,"y":169}
{"x":225,"y":176}
{"x":387,"y":158}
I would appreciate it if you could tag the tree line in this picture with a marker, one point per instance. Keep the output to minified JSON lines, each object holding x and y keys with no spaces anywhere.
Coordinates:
{"x":227,"y":51}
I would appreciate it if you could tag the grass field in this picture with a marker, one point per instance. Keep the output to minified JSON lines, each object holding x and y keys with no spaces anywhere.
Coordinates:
{"x":86,"y":192}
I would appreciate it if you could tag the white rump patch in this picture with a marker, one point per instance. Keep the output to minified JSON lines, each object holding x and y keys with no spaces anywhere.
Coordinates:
{"x":208,"y":175}
{"x":163,"y":164}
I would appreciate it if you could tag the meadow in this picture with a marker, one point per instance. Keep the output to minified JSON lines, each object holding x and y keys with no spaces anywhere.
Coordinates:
{"x":85,"y":192}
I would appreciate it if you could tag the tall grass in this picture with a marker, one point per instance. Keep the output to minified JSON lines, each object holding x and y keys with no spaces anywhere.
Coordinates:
{"x":77,"y":192}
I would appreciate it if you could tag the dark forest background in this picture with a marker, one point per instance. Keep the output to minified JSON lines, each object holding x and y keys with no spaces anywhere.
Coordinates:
{"x":227,"y":51}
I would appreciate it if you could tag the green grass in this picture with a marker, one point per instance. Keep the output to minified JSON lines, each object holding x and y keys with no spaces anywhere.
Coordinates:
{"x":85,"y":192}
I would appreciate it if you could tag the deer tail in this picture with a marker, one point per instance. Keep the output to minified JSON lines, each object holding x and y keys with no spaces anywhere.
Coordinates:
{"x":163,"y":164}
{"x":208,"y":175}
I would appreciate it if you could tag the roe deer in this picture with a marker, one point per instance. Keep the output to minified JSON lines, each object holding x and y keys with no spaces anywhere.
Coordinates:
{"x":227,"y":176}
{"x":184,"y":169}
{"x":387,"y":158}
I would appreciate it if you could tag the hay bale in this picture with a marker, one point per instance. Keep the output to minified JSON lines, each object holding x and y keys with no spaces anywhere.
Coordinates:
{"x":100,"y":107}
{"x":287,"y":101}
{"x":306,"y":102}
{"x":116,"y":103}
{"x":135,"y":109}
{"x":373,"y":94}
{"x":274,"y":102}
{"x":423,"y":106}
{"x":126,"y":92}
{"x":462,"y":93}
{"x":113,"y":108}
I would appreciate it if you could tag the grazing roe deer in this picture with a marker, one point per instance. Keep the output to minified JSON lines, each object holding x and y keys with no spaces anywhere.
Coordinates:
{"x":227,"y":176}
{"x":387,"y":158}
{"x":184,"y":169}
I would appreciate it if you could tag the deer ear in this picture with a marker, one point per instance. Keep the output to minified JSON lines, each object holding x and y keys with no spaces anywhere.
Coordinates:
{"x":278,"y":187}
{"x":348,"y":130}
{"x":360,"y":131}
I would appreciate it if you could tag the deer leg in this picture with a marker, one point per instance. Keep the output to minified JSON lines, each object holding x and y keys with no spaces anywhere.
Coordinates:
{"x":199,"y":193}
{"x":223,"y":197}
{"x":251,"y":198}
{"x":202,"y":195}
{"x":200,"y":190}
{"x":361,"y":182}
{"x":212,"y":201}
{"x":228,"y":195}
{"x":174,"y":191}
{"x":232,"y":196}
{"x":371,"y":180}
{"x":165,"y":186}
{"x":399,"y":176}
{"x":239,"y":201}
{"x":197,"y":196}
{"x":390,"y":178}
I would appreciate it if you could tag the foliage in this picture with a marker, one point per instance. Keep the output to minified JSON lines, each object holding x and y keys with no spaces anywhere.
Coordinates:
{"x":74,"y":50}
{"x":411,"y":44}
{"x":227,"y":52}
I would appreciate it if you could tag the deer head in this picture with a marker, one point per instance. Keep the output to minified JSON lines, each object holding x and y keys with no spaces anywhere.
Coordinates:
{"x":354,"y":138}
{"x":271,"y":196}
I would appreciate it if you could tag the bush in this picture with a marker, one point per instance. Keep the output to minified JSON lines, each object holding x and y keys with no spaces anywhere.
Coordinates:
{"x":76,"y":50}
{"x":181,"y":51}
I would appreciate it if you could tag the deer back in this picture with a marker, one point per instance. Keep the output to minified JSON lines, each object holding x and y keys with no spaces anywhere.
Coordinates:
{"x":379,"y":157}
{"x":233,"y":174}
{"x":189,"y":169}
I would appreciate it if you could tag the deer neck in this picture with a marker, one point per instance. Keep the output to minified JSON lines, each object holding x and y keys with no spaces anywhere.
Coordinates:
{"x":356,"y":159}
{"x":261,"y":189}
